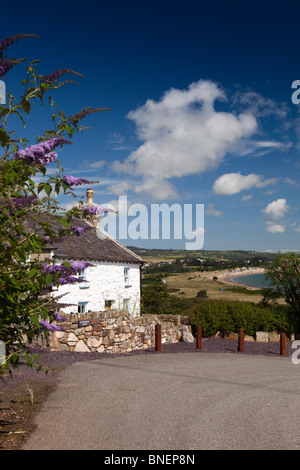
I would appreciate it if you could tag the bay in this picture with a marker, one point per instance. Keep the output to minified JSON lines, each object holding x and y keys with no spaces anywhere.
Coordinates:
{"x":252,"y":280}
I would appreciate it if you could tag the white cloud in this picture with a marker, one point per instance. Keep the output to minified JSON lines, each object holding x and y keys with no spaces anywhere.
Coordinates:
{"x":120,"y":188}
{"x":198,"y":231}
{"x":232,"y":183}
{"x":260,"y":104}
{"x":211,"y":211}
{"x":246,"y":198}
{"x":157,"y":188}
{"x":276,"y":209}
{"x":97,"y":164}
{"x":182,"y":135}
{"x":275,"y":228}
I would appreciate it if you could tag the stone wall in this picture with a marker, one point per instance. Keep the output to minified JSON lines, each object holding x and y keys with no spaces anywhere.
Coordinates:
{"x":114,"y":332}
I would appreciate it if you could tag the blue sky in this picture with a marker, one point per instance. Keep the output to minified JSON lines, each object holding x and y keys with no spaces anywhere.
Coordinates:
{"x":201,"y":104}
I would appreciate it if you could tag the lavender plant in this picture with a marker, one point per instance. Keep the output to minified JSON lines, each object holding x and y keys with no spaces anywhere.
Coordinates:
{"x":30,"y":218}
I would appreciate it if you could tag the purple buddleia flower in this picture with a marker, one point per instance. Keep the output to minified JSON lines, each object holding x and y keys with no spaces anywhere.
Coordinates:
{"x":5,"y":43}
{"x":50,"y":327}
{"x":78,"y":266}
{"x":86,"y":112}
{"x":57,"y":74}
{"x":93,"y":210}
{"x":47,"y":239}
{"x":68,"y":280}
{"x":74,"y":181}
{"x":75,"y":267}
{"x":7,"y":64}
{"x":55,"y":268}
{"x":80,"y":230}
{"x":23,"y":201}
{"x":42,"y":153}
{"x":58,"y":316}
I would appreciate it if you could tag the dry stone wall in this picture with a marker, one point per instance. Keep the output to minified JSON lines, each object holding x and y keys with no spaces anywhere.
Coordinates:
{"x":115,"y":332}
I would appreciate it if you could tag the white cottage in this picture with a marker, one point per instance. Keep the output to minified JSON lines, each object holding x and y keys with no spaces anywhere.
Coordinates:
{"x":114,"y":279}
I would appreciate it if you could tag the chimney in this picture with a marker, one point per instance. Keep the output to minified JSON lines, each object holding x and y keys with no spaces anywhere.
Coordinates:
{"x":94,"y":219}
{"x":89,"y":196}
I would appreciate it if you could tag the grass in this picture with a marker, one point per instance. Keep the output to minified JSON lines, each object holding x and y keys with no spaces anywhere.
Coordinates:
{"x":191,"y":283}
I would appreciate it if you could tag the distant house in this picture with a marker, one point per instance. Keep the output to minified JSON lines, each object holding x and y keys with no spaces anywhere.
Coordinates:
{"x":114,"y":279}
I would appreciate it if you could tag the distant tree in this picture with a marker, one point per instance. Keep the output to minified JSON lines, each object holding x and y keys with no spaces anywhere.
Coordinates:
{"x":284,"y":274}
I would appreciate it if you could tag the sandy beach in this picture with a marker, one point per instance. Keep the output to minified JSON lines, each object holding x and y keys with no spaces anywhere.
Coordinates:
{"x":227,"y":277}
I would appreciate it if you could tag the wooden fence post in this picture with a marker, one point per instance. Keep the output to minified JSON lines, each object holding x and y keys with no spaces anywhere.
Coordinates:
{"x":282,"y":344}
{"x":158,"y":337}
{"x":199,"y":337}
{"x":240,"y":347}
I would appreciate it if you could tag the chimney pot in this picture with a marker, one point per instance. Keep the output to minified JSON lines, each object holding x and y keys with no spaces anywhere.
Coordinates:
{"x":89,"y":195}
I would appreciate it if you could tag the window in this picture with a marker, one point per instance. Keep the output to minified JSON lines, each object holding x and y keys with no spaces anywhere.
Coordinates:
{"x":82,"y":307}
{"x":126,"y":304}
{"x":108,"y":304}
{"x":82,"y":276}
{"x":127,"y":277}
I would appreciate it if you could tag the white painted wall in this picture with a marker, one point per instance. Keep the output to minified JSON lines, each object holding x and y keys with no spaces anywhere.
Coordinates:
{"x":105,"y":282}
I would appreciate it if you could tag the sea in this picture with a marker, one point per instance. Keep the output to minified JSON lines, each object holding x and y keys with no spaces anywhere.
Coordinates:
{"x":252,"y":280}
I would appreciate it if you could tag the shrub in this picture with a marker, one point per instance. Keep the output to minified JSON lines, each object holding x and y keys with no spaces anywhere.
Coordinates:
{"x":228,"y":316}
{"x":202,"y":294}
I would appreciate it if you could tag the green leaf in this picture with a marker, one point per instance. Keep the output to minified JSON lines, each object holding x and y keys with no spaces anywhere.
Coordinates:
{"x":26,"y":106}
{"x":4,"y":137}
{"x":32,"y":272}
{"x":47,"y":188}
{"x":64,"y":222}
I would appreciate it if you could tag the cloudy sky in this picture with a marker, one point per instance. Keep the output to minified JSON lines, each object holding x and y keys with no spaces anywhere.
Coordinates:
{"x":204,"y":108}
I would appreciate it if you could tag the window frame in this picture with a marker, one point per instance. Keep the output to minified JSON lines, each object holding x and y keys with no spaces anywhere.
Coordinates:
{"x":82,"y":304}
{"x":82,"y":274}
{"x":126,"y":305}
{"x":127,"y":277}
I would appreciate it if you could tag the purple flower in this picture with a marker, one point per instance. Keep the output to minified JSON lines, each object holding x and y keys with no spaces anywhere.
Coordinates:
{"x":74,"y":181}
{"x":50,"y":327}
{"x":24,"y":201}
{"x":80,"y":230}
{"x":75,"y":267}
{"x":54,"y":268}
{"x":58,"y":317}
{"x":47,"y":239}
{"x":58,"y":73}
{"x":86,"y":112}
{"x":5,"y":43}
{"x":68,"y":280}
{"x":7,"y":64}
{"x":93,"y":210}
{"x":42,"y":153}
{"x":79,"y":265}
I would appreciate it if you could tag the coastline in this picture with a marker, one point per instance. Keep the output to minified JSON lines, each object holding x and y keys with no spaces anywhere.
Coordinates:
{"x":229,"y":277}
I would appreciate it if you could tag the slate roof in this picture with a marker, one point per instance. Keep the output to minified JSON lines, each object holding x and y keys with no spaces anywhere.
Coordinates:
{"x":94,"y":244}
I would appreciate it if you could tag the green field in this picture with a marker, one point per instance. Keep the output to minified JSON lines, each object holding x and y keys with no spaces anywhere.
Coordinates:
{"x":185,"y":273}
